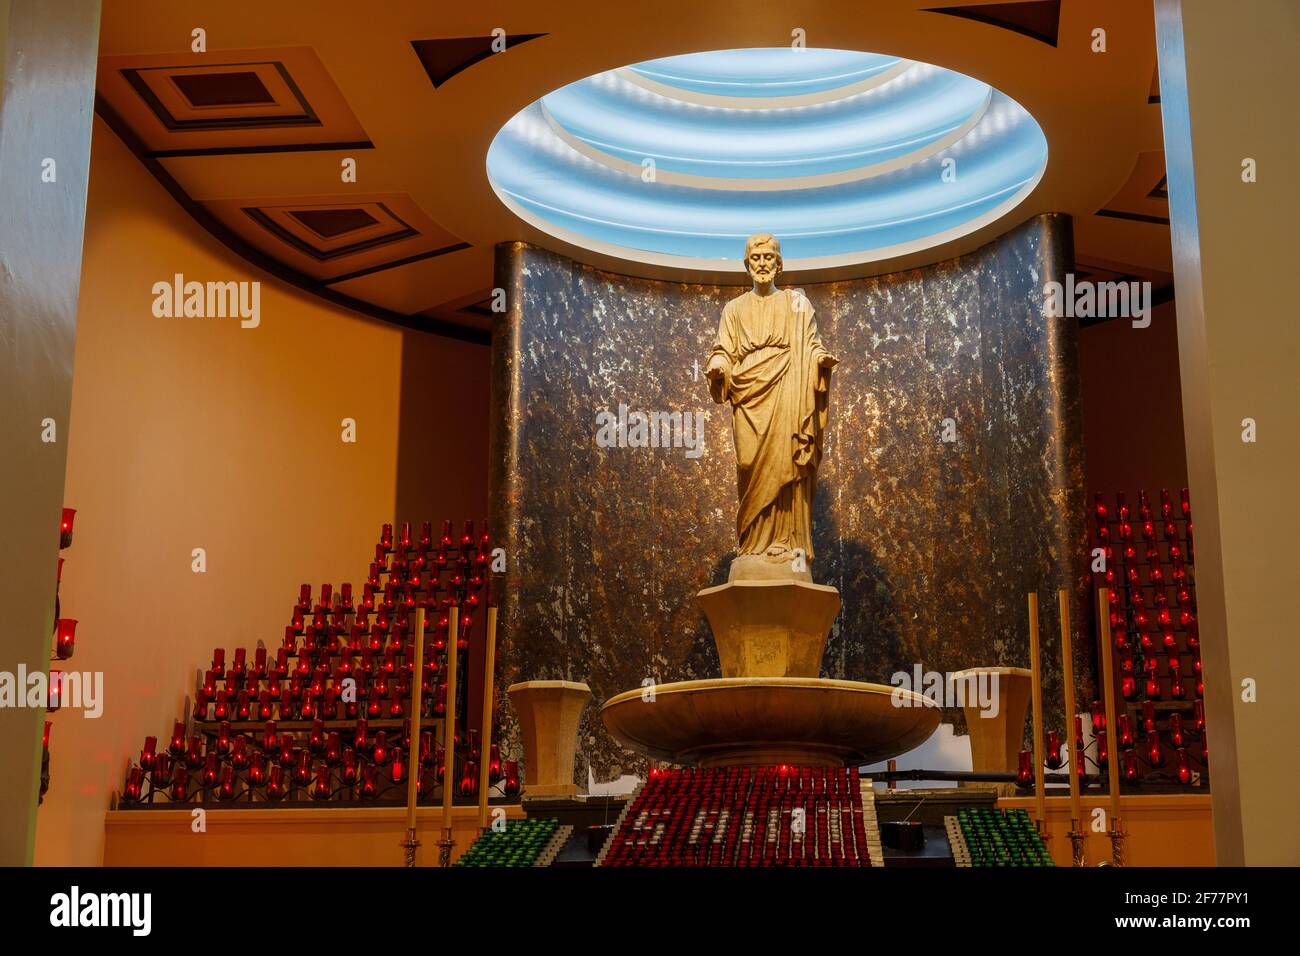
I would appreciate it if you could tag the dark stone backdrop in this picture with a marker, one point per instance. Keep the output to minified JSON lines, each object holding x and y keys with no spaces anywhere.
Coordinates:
{"x":932,"y":545}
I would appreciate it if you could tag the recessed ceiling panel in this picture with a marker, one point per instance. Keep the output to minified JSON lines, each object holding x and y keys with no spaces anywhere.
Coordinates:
{"x":849,"y":157}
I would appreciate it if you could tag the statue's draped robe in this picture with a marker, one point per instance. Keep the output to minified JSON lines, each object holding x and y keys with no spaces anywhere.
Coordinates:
{"x":778,"y":394}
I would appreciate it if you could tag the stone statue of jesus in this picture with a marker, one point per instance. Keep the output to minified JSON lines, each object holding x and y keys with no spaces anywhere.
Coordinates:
{"x":771,"y":367}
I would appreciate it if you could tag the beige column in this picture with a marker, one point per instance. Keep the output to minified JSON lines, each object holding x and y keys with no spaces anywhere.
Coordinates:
{"x":1228,"y":76}
{"x":47,"y":86}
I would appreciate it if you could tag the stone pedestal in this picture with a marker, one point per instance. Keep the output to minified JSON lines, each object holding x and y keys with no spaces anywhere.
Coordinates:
{"x":995,"y":742}
{"x":770,"y":706}
{"x":770,"y":628}
{"x":548,"y":712}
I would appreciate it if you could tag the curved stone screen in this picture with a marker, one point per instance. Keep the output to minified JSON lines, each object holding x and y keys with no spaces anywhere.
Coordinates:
{"x":952,"y":482}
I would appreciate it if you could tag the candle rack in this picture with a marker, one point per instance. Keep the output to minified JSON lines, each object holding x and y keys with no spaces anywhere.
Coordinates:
{"x":1149,"y":567}
{"x":323,"y":718}
{"x":64,"y":637}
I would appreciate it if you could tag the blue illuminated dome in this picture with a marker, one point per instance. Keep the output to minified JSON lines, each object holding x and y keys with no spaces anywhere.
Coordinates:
{"x":847,"y":157}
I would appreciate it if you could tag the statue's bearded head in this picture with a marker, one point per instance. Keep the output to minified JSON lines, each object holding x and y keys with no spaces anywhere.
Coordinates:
{"x":762,"y":257}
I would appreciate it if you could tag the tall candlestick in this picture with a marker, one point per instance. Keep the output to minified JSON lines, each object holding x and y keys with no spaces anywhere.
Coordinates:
{"x":1076,"y":753}
{"x":489,"y":662}
{"x":1108,"y":685}
{"x":1036,"y":689}
{"x":417,"y":708}
{"x":449,"y":735}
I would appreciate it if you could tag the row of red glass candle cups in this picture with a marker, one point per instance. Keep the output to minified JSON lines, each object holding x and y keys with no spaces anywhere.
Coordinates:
{"x":425,"y":542}
{"x":1153,"y":748}
{"x":319,"y":741}
{"x":1130,"y":766}
{"x":393,"y":610}
{"x":1147,"y":520}
{"x":278,"y":754}
{"x":350,"y":779}
{"x":1151,"y":685}
{"x":301,"y":701}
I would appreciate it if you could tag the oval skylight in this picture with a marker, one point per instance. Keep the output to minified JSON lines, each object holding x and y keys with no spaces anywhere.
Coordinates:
{"x":847,"y":157}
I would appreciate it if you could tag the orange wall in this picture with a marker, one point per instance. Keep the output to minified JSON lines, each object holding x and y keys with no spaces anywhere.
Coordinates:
{"x":189,"y":433}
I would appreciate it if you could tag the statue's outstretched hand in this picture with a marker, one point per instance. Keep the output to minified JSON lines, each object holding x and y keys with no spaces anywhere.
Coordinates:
{"x":826,"y":360}
{"x":716,"y":373}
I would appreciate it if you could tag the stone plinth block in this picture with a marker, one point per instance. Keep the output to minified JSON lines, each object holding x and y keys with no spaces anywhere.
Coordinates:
{"x":996,"y":741}
{"x":548,"y":712}
{"x":770,"y":628}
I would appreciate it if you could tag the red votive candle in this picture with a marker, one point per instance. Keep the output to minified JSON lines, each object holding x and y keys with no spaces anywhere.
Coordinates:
{"x":469,"y":779}
{"x":1155,"y":753}
{"x":66,"y":631}
{"x":177,"y":745}
{"x":369,"y":782}
{"x":1024,"y":769}
{"x":162,"y":771}
{"x":148,"y":752}
{"x":349,"y":766}
{"x":397,"y":770}
{"x":134,"y":784}
{"x":180,"y":784}
{"x":1130,"y":766}
{"x":1184,"y":767}
{"x":54,"y":695}
{"x":275,"y":783}
{"x":194,"y":753}
{"x":286,"y":749}
{"x":209,"y":770}
{"x":257,"y":768}
{"x":302,"y":769}
{"x":321,"y":790}
{"x":1053,"y":757}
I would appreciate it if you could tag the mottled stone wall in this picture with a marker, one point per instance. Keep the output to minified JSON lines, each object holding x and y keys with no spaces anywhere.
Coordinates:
{"x":933,"y":545}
